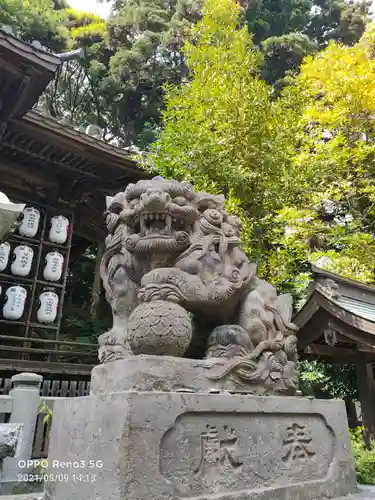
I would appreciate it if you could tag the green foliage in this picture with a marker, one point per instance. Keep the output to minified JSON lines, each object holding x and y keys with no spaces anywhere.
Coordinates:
{"x":283,"y":55}
{"x":311,"y":376}
{"x":338,"y":20}
{"x":118,"y":84}
{"x":92,"y":31}
{"x":36,"y":20}
{"x":288,"y":30}
{"x":272,"y":18}
{"x":79,"y":323}
{"x":46,"y":410}
{"x":53,"y":24}
{"x":82,"y":328}
{"x":146,"y":38}
{"x":334,"y":381}
{"x":76,"y":95}
{"x":332,"y":220}
{"x":222,"y":132}
{"x":364,"y":458}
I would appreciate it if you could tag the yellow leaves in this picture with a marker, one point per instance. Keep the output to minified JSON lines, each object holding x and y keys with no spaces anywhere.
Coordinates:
{"x":224,"y":134}
{"x":96,"y":29}
{"x":223,"y":131}
{"x":339,"y":84}
{"x":367,"y":41}
{"x":225,"y":12}
{"x":81,"y":18}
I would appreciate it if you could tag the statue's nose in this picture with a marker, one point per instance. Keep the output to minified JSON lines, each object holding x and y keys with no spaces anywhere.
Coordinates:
{"x":155,"y":199}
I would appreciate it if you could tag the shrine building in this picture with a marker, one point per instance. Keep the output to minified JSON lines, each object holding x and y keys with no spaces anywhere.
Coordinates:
{"x":63,"y":177}
{"x":337,"y":325}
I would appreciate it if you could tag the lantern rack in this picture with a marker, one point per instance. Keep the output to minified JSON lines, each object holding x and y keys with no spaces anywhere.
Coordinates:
{"x":27,"y":324}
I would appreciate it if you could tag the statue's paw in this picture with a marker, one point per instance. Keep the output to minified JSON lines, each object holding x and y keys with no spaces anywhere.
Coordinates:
{"x":112,"y":352}
{"x":113,"y":345}
{"x":150,"y":292}
{"x":108,"y":338}
{"x":159,"y":292}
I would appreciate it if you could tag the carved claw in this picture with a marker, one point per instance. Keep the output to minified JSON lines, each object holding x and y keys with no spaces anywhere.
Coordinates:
{"x":112,"y":347}
{"x":150,"y":292}
{"x":159,"y":292}
{"x":111,"y":352}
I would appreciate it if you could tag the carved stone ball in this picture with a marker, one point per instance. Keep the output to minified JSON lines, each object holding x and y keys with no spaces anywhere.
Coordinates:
{"x":160,"y":328}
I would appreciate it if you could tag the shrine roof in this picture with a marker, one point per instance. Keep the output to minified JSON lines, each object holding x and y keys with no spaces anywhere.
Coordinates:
{"x":25,"y":71}
{"x":357,"y":307}
{"x":14,"y":46}
{"x":46,"y":162}
{"x":336,"y":306}
{"x":53,"y":126}
{"x":352,"y":296}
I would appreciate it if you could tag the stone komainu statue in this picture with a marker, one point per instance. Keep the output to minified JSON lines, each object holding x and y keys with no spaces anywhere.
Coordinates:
{"x":179,"y":285}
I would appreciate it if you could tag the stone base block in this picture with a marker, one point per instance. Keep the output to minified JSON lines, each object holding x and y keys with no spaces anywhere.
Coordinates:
{"x":169,"y":446}
{"x":152,"y":373}
{"x":171,"y":374}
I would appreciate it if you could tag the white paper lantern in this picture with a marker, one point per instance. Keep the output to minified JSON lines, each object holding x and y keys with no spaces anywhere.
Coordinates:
{"x":15,"y":299}
{"x":30,"y":222}
{"x":59,"y":229}
{"x":54,"y":266}
{"x":4,"y":255}
{"x":4,"y":198}
{"x":9,"y":214}
{"x":47,"y":311}
{"x":23,"y":259}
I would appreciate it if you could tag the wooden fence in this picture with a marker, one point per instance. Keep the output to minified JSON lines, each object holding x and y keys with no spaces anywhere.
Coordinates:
{"x":53,"y":388}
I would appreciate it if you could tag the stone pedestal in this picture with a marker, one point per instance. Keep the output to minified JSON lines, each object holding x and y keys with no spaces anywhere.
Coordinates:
{"x":171,"y":445}
{"x":171,"y":374}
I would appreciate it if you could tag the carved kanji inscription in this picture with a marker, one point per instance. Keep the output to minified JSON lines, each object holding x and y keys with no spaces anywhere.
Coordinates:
{"x":297,"y":444}
{"x":217,"y":453}
{"x":218,"y":449}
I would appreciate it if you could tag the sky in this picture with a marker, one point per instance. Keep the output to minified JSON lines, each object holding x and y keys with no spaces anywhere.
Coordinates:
{"x":100,"y":9}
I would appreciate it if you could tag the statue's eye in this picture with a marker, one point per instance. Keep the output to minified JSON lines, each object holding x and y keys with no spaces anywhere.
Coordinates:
{"x":180,"y":200}
{"x":133,"y":203}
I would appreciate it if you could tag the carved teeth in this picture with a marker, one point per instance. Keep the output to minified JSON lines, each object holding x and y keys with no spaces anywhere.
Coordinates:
{"x":168,"y":223}
{"x":143,"y":225}
{"x":147,"y":226}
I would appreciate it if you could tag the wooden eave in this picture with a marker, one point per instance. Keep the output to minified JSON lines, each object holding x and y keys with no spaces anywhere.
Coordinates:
{"x":326,"y":311}
{"x":25,"y":71}
{"x":14,"y":47}
{"x":351,"y":287}
{"x":47,"y":128}
{"x":45,"y":162}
